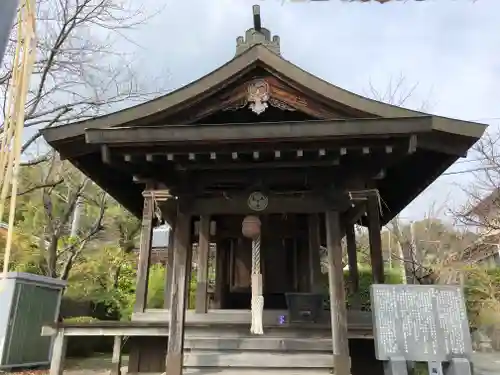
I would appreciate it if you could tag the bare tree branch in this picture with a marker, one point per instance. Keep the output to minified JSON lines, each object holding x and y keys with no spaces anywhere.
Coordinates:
{"x":78,"y":74}
{"x":76,"y":249}
{"x":42,"y":186}
{"x":36,"y":161}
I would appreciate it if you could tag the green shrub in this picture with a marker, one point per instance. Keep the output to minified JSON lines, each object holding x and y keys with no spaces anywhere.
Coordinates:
{"x":392,"y":276}
{"x":482,"y":291}
{"x":156,"y":287}
{"x":156,"y":292}
{"x":421,"y":368}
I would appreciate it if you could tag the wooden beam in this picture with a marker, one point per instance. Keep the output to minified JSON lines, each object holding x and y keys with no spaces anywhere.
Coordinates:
{"x":259,"y":165}
{"x":287,"y":148}
{"x":375,"y":240}
{"x":175,"y":349}
{"x":141,"y":291}
{"x":314,"y":261}
{"x":268,"y":176}
{"x":353,"y":264}
{"x":311,"y":202}
{"x":338,"y":310}
{"x":169,"y":268}
{"x":202,"y":276}
{"x":259,"y":131}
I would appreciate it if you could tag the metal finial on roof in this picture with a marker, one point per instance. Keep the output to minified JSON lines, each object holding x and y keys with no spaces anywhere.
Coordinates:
{"x":256,"y":18}
{"x":257,"y":35}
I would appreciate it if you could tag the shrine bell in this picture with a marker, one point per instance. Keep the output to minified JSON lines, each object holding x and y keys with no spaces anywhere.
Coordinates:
{"x":251,"y":226}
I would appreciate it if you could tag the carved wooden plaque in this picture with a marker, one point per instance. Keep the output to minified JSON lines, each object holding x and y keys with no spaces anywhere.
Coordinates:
{"x":422,"y":323}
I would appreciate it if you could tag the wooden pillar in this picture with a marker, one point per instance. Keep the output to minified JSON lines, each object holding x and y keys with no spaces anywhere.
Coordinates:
{"x":189,"y":272}
{"x":314,"y":261}
{"x":116,"y":359}
{"x":220,"y":272}
{"x":338,"y":311}
{"x":175,"y":346}
{"x":169,"y":269}
{"x":376,"y":256}
{"x":58,"y":353}
{"x":352,"y":256}
{"x":202,"y":275}
{"x":141,"y":291}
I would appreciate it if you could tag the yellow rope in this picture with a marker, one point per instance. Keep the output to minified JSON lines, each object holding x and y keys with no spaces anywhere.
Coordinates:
{"x":10,"y":152}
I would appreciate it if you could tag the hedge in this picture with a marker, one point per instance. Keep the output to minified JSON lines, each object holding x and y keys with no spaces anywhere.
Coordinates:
{"x":392,"y":276}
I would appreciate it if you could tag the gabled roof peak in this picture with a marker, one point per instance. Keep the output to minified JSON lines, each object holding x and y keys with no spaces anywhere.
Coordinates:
{"x":257,"y":35}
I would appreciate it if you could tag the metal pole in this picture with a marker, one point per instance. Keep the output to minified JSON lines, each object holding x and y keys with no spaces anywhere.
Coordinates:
{"x":7,"y":14}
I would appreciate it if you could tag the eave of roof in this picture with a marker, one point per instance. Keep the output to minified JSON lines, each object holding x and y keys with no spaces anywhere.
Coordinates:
{"x":281,"y":130}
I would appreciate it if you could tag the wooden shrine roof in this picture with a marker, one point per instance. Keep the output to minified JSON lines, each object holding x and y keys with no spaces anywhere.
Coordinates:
{"x":208,"y":85}
{"x":79,"y":142}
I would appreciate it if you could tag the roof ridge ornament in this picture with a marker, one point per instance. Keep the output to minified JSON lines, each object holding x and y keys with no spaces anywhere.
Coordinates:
{"x":257,"y":35}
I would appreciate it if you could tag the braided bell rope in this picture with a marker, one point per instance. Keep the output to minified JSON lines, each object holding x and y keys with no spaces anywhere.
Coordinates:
{"x":257,"y":303}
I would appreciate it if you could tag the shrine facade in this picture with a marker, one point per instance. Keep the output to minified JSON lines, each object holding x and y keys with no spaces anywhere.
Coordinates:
{"x":264,"y":169}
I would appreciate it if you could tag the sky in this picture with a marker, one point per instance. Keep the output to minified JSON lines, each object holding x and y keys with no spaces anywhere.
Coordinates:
{"x":449,"y":49}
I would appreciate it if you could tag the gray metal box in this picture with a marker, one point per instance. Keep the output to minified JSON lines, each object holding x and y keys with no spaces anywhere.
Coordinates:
{"x":27,"y":302}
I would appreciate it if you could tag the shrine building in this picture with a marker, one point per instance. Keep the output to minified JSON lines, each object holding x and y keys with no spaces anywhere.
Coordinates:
{"x":266,"y":166}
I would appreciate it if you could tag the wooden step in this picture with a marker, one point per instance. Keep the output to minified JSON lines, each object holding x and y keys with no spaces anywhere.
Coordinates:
{"x":257,"y":359}
{"x":243,"y":331}
{"x":241,"y":371}
{"x":255,"y":371}
{"x":259,"y":343}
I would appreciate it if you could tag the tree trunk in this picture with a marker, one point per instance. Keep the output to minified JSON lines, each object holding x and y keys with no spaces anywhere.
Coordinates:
{"x":52,"y":256}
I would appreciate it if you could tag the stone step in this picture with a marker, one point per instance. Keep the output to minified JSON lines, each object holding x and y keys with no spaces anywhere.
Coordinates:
{"x":257,"y":359}
{"x":259,"y":343}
